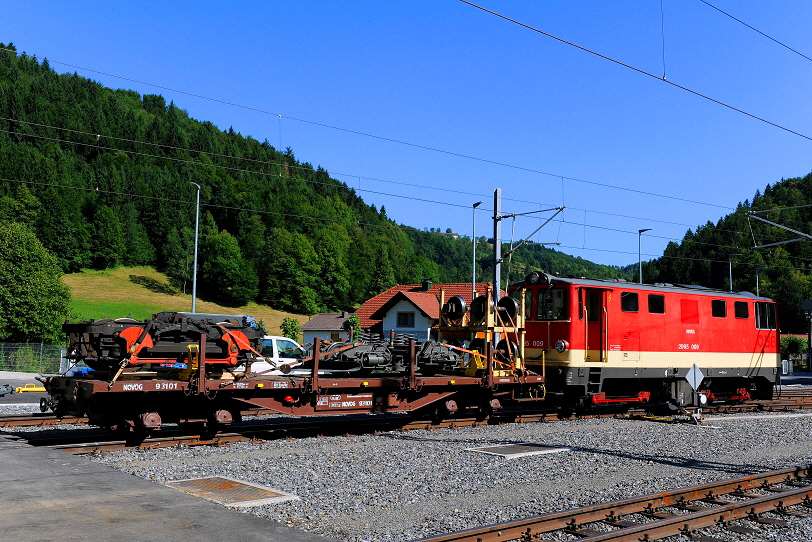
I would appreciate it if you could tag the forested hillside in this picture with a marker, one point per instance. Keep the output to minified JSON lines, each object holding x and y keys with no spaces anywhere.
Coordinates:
{"x":783,"y":270}
{"x":105,"y":177}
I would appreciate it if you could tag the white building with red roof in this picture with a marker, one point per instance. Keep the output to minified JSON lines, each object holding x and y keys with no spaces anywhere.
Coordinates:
{"x":328,"y":326}
{"x":412,"y":309}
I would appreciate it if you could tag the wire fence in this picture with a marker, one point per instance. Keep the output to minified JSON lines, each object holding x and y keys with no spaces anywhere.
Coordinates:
{"x":31,"y":357}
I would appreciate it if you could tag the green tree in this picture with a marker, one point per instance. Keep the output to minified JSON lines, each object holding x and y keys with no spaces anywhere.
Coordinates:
{"x":383,"y":275}
{"x":107,"y":244}
{"x":33,"y":300}
{"x":225,"y":276}
{"x":178,"y":255}
{"x":352,"y":325}
{"x":291,"y":328}
{"x":290,"y":272}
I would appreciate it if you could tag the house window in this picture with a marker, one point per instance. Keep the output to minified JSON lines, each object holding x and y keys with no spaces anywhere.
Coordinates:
{"x":765,"y":315}
{"x":628,"y":301}
{"x":740,"y":308}
{"x":405,"y":319}
{"x":656,"y":304}
{"x":719,"y":308}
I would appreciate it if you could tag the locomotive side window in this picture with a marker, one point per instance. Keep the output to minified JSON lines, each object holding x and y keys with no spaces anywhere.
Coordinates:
{"x":656,"y":304}
{"x":628,"y":302}
{"x":765,"y":316}
{"x":719,"y":308}
{"x":740,"y":308}
{"x":552,"y":304}
{"x":580,"y":304}
{"x":593,"y":305}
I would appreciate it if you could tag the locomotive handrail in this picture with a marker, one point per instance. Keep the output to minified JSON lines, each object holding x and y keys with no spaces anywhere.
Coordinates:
{"x":586,"y":333}
{"x":605,"y":338}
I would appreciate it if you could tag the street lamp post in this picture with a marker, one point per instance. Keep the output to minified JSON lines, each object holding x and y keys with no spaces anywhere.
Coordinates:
{"x":730,"y":267}
{"x":194,"y":268}
{"x":473,"y":251}
{"x":639,"y":252}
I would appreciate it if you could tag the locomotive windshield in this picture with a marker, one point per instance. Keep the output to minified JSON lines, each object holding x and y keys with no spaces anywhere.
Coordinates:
{"x":552,"y":304}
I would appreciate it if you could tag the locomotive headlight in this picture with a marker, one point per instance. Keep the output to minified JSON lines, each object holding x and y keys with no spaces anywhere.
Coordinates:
{"x":561,"y":345}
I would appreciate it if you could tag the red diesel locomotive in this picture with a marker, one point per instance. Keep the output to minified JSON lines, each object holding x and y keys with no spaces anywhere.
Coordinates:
{"x":604,"y":341}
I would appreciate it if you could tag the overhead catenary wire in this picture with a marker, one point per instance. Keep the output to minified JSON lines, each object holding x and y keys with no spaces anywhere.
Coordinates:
{"x":662,"y":32}
{"x":96,"y":145}
{"x":782,"y":44}
{"x":421,"y":146}
{"x":387,"y":226}
{"x":96,"y":138}
{"x":373,"y":136}
{"x":638,"y":70}
{"x":354,"y":176}
{"x":438,"y":150}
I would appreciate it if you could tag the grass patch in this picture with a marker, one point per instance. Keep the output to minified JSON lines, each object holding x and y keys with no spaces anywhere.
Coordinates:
{"x":111,"y":293}
{"x":83,"y":309}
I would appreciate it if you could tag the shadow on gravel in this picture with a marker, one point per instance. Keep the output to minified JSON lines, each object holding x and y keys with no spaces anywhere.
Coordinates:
{"x":665,"y":460}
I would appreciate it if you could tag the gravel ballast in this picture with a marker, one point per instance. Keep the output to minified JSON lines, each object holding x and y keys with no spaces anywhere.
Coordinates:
{"x":407,"y":485}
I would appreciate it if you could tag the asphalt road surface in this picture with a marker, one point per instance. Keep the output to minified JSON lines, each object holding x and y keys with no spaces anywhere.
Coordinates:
{"x":18,"y":380}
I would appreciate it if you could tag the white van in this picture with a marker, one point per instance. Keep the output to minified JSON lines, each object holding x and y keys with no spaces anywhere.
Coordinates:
{"x":277,"y":351}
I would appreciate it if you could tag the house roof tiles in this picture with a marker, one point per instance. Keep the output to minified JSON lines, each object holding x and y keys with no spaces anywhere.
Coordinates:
{"x":372,"y":313}
{"x":326,"y":322}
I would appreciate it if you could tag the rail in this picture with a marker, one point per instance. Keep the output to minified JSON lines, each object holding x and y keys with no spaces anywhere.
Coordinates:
{"x":772,"y":492}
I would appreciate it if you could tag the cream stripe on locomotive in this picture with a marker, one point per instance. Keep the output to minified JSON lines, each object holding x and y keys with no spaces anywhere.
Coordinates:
{"x":647,"y":360}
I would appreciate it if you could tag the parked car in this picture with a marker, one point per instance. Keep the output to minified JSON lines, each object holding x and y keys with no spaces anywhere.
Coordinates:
{"x":276,"y":352}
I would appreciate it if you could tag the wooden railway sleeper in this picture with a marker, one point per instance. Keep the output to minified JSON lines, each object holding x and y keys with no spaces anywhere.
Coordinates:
{"x":785,"y":511}
{"x":755,"y":517}
{"x":683,"y":504}
{"x":693,"y":534}
{"x":617,"y":521}
{"x":528,"y":536}
{"x":711,"y":498}
{"x":741,"y":529}
{"x":743,"y":492}
{"x":576,"y":529}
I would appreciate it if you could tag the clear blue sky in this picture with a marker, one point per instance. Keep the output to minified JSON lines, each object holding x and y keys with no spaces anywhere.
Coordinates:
{"x":447,"y":76}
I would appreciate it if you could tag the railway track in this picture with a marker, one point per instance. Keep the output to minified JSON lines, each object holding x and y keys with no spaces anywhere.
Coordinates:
{"x":38,"y":419}
{"x":94,"y":441}
{"x":97,"y":441}
{"x":738,"y":505}
{"x":275,"y":428}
